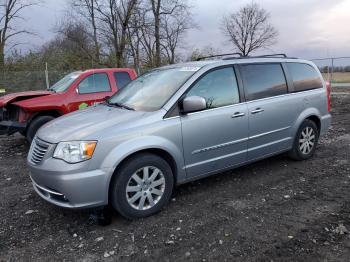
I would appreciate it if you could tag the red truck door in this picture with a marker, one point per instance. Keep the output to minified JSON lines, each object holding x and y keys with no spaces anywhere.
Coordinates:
{"x":90,"y":90}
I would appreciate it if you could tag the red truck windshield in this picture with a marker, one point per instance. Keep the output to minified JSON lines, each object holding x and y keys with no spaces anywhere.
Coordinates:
{"x":63,"y":84}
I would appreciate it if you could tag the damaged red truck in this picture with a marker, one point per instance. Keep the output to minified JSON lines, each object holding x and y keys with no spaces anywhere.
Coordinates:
{"x":26,"y":112}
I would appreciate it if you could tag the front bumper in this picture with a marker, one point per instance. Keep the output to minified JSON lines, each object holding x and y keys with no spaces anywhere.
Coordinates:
{"x":11,"y":127}
{"x":68,"y":185}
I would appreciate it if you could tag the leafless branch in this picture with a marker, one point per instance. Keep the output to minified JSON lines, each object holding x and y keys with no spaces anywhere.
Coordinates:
{"x":249,"y":29}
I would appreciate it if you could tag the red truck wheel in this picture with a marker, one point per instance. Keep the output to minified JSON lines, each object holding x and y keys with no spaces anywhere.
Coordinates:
{"x":35,"y":125}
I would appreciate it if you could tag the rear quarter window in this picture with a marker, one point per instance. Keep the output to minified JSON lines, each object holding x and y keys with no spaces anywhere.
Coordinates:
{"x":121,"y":79}
{"x":304,"y":77}
{"x":263,"y":80}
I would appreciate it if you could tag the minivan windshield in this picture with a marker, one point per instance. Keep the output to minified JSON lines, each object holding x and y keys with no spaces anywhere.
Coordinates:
{"x":152,"y":90}
{"x":63,"y":84}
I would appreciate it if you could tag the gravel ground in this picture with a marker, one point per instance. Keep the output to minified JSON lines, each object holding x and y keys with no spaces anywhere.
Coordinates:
{"x":273,"y":210}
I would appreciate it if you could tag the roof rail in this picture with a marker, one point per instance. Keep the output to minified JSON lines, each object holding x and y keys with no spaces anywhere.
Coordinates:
{"x":260,"y":56}
{"x":272,"y":55}
{"x":240,"y":56}
{"x":220,"y":55}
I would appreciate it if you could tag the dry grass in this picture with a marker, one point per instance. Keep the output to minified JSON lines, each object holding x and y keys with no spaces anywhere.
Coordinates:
{"x":338,"y":77}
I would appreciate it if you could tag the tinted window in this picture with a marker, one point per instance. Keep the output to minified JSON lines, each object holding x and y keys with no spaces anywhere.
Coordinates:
{"x":263,"y":80}
{"x":219,"y":88}
{"x":304,"y":77}
{"x":121,"y":79}
{"x":95,"y":83}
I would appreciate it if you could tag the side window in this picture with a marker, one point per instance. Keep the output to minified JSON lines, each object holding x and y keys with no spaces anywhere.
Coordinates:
{"x":304,"y":77}
{"x":219,"y":88}
{"x":263,"y":80}
{"x":121,"y":79}
{"x":94,"y":83}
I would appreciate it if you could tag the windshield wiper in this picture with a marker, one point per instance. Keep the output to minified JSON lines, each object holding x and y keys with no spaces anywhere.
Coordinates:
{"x":121,"y":106}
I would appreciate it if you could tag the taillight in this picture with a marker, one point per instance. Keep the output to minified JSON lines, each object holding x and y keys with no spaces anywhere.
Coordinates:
{"x":328,"y":86}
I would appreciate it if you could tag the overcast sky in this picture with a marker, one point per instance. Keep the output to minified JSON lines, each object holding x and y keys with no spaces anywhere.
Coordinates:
{"x":307,"y":28}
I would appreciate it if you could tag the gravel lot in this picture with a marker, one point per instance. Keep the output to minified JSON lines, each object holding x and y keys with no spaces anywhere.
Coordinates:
{"x":276,"y":209}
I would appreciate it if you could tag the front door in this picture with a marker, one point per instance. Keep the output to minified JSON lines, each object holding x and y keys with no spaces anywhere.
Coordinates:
{"x":215,"y":138}
{"x":92,"y":89}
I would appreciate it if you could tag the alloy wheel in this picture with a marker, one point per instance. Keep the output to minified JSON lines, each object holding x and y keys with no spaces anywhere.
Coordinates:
{"x":307,"y":140}
{"x":145,"y":188}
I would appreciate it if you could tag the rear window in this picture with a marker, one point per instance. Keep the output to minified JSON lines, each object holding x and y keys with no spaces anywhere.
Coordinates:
{"x":121,"y":79}
{"x":263,"y":80}
{"x":304,"y":77}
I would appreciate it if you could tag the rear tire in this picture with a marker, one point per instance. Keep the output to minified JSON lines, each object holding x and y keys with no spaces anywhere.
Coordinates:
{"x":305,"y":141}
{"x":35,"y":125}
{"x":142,"y":186}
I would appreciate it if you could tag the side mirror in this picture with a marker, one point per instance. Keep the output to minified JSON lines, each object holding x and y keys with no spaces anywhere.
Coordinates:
{"x":193,"y":104}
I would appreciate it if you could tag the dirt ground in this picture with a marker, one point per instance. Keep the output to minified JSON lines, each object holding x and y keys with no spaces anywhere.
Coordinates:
{"x":273,"y":210}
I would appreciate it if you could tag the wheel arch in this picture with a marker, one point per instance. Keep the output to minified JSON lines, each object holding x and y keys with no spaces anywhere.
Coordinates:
{"x":312,"y":114}
{"x":155,"y":151}
{"x":52,"y":112}
{"x":316,"y":120}
{"x":154,"y":145}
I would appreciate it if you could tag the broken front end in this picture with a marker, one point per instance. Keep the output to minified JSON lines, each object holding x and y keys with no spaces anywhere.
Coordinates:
{"x":12,"y":120}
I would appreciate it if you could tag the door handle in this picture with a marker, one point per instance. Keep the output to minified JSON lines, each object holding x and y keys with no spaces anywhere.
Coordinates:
{"x":237,"y":114}
{"x":258,"y":110}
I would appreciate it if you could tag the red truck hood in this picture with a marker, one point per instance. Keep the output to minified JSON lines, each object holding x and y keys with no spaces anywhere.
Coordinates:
{"x":15,"y":97}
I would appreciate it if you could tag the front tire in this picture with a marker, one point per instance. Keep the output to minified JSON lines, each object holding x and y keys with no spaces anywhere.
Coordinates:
{"x":305,"y":141}
{"x":35,"y":125}
{"x":142,"y":186}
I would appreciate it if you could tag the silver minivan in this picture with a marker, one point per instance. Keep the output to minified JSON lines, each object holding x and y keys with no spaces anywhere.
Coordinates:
{"x":176,"y":124}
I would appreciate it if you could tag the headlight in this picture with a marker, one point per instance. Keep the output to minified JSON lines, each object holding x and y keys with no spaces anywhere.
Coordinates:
{"x":75,"y":151}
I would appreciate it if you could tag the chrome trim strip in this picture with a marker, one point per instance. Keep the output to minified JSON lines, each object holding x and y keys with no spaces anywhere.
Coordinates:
{"x":197,"y":151}
{"x":270,"y":132}
{"x":215,"y":159}
{"x":219,"y":146}
{"x":269,"y":144}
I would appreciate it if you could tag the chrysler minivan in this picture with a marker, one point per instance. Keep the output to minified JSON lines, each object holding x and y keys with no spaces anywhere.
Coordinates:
{"x":176,"y":124}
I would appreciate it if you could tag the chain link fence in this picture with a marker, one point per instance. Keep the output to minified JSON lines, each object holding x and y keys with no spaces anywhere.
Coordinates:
{"x":335,"y":70}
{"x":16,"y":81}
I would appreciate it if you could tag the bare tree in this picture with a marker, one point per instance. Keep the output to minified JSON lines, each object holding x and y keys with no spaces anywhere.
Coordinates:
{"x":137,"y":22}
{"x":173,"y":29}
{"x":10,"y":11}
{"x":146,"y":33}
{"x":116,"y":16}
{"x":87,"y":11}
{"x":161,"y":9}
{"x":73,"y":38}
{"x":249,"y":29}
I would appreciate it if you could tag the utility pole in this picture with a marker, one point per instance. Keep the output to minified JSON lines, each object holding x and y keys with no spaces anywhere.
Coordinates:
{"x":332,"y":69}
{"x":47,"y":76}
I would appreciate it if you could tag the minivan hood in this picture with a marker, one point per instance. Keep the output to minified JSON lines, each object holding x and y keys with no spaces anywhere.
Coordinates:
{"x":20,"y":96}
{"x":83,"y":124}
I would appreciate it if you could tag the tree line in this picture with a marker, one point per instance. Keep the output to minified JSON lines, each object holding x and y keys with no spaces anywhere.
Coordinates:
{"x":127,"y":33}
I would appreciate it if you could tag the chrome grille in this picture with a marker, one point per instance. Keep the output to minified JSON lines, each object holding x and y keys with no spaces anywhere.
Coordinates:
{"x":38,"y":150}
